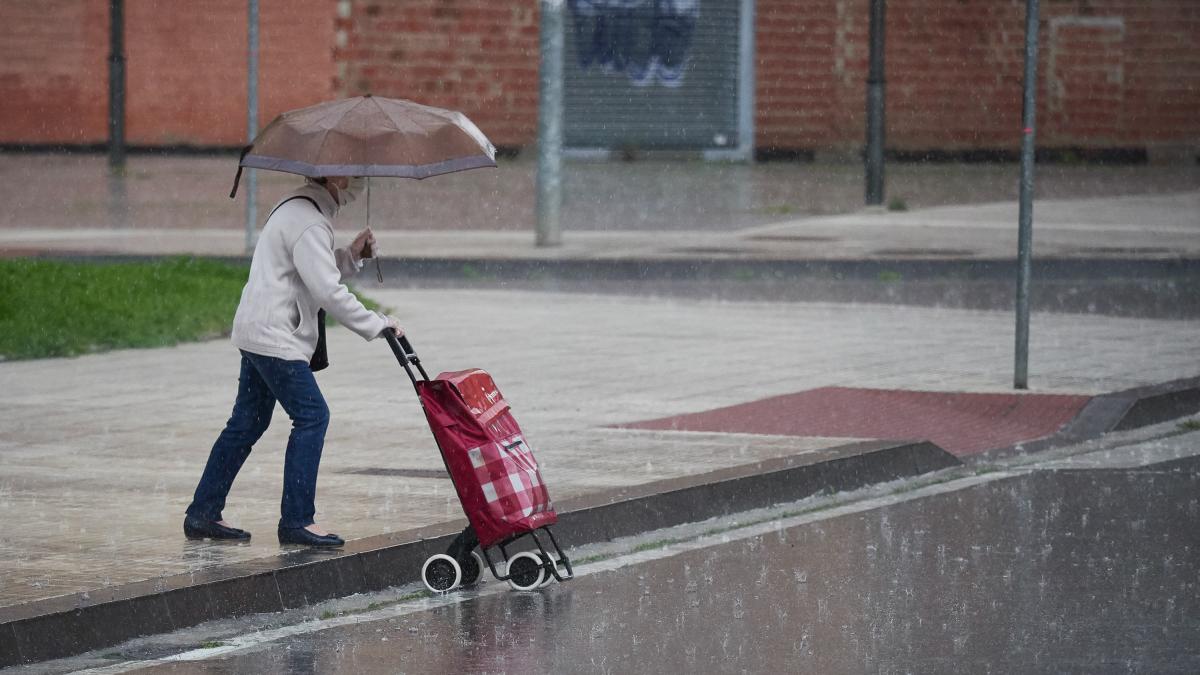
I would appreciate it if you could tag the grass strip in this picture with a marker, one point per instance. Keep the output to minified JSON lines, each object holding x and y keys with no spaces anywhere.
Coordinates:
{"x":51,"y":308}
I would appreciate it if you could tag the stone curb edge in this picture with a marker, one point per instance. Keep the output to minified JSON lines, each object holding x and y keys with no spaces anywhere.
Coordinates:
{"x":376,"y":563}
{"x":686,"y":268}
{"x":1116,"y":411}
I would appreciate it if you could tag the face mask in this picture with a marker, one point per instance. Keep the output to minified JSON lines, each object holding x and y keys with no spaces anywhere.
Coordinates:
{"x":353,"y":189}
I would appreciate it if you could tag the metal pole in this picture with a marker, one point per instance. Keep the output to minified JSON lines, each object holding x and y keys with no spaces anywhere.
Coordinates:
{"x":550,"y":114}
{"x":875,"y":107}
{"x":252,"y":123}
{"x":1025,"y":216}
{"x":116,"y":85}
{"x":746,"y":75}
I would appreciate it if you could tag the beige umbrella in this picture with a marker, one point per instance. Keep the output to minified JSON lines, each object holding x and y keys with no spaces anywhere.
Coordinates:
{"x":368,"y":136}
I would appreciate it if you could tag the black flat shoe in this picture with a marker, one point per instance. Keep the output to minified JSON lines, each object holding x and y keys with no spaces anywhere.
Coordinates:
{"x":200,"y":528}
{"x":299,"y":535}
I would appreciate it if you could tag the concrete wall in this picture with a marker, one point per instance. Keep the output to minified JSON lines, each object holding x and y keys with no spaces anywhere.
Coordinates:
{"x":1113,"y":73}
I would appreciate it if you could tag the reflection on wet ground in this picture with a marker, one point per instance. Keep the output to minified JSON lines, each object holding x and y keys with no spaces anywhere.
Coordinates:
{"x":1058,"y":571}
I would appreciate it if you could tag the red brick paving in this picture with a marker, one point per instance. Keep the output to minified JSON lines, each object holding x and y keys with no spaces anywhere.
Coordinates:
{"x":960,"y":423}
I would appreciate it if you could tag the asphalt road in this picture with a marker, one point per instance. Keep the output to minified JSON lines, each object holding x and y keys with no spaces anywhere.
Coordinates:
{"x":1091,"y":569}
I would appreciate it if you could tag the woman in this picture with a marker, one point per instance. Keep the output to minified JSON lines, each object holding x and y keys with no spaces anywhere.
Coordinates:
{"x":295,"y":272}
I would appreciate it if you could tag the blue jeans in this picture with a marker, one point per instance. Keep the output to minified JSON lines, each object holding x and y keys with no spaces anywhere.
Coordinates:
{"x":263,"y":381}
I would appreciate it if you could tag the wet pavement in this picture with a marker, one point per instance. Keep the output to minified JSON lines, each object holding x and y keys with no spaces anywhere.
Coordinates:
{"x":641,"y":212}
{"x":1063,"y":571}
{"x":75,"y":191}
{"x":76,"y":456}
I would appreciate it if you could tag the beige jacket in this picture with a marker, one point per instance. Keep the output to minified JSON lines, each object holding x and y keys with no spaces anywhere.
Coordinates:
{"x":294,"y":273}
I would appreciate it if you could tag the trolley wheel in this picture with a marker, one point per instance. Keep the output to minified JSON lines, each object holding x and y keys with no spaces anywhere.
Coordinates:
{"x":441,"y":573}
{"x":472,"y":569}
{"x":549,"y":578}
{"x":525,"y":571}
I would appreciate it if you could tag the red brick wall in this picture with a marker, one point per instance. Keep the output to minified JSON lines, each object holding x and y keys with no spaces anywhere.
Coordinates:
{"x":53,"y":72}
{"x":1113,"y":73}
{"x":185,"y":68}
{"x":802,"y":74}
{"x":477,"y":56}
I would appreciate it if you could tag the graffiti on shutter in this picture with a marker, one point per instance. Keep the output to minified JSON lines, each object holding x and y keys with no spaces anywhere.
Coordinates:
{"x":647,"y":41}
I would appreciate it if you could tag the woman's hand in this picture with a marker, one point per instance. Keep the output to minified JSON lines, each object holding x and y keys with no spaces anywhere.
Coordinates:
{"x":394,"y":324}
{"x":364,"y":245}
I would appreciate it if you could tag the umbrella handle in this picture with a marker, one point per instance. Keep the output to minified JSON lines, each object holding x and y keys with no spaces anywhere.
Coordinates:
{"x":378,"y":269}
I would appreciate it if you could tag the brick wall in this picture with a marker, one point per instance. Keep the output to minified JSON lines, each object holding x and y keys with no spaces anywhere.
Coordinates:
{"x":1113,"y":73}
{"x":53,"y":73}
{"x":476,"y":56}
{"x":185,"y":68}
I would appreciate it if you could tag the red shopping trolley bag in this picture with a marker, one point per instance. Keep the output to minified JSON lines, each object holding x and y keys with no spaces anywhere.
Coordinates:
{"x":489,"y":459}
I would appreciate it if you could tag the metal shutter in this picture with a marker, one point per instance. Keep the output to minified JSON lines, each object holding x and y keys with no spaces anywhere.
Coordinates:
{"x":651,"y":74}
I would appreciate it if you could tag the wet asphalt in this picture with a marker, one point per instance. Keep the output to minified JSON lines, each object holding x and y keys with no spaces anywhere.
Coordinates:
{"x":1063,"y":571}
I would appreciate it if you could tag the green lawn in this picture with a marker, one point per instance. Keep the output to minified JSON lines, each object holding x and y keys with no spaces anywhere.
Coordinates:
{"x":52,"y":308}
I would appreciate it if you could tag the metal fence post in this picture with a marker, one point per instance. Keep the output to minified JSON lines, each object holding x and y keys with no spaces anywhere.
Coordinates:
{"x":550,"y":114}
{"x":746,"y":80}
{"x":251,"y":123}
{"x":116,"y":84}
{"x":1025,"y":216}
{"x":875,"y":107}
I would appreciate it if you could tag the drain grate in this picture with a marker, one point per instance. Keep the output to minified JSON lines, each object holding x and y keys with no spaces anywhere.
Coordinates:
{"x":399,"y":473}
{"x":790,"y":237}
{"x":1124,"y":250}
{"x":704,"y":250}
{"x":942,"y":252}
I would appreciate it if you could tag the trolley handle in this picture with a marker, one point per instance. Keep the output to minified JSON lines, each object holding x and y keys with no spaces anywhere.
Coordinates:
{"x":405,"y":354}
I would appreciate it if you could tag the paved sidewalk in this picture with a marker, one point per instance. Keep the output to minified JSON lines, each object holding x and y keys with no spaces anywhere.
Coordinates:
{"x":640,"y":211}
{"x":101,"y":452}
{"x":1142,"y":227}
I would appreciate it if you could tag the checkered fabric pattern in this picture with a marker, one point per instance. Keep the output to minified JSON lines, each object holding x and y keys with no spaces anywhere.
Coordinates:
{"x":509,"y":476}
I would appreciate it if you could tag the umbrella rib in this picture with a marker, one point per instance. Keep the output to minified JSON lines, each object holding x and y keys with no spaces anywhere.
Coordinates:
{"x":399,"y":124}
{"x":324,"y":140}
{"x":329,"y":130}
{"x":405,"y":127}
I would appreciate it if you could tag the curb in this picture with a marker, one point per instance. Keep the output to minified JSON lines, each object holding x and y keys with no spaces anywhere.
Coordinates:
{"x":932,"y":266}
{"x":733,"y":267}
{"x":1159,"y":403}
{"x":1117,"y":411}
{"x":71,"y":625}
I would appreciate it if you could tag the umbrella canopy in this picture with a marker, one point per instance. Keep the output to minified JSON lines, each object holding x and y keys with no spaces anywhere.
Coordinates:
{"x":368,"y":136}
